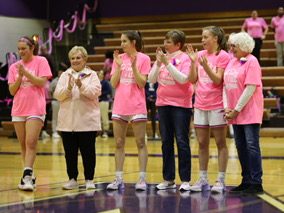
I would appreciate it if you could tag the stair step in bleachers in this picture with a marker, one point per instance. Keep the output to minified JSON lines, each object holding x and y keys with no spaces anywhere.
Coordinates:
{"x":268,"y":43}
{"x":223,"y":22}
{"x":272,"y":71}
{"x":273,"y":81}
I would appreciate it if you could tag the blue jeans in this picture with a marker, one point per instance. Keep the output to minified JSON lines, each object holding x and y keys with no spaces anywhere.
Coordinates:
{"x":174,"y":123}
{"x":247,"y":143}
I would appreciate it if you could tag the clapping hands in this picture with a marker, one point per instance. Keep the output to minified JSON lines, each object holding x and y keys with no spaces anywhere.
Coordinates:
{"x":117,"y":58}
{"x":161,"y":57}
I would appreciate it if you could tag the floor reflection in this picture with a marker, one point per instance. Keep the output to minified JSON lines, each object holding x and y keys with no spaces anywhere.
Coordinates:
{"x":129,"y":200}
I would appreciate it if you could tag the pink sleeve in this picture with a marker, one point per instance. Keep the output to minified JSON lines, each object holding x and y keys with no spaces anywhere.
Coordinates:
{"x":264,"y":25}
{"x":146,"y":65}
{"x":273,"y":22}
{"x":61,"y":91}
{"x":253,"y":73}
{"x":223,"y":60}
{"x":12,"y":74}
{"x":113,"y":68}
{"x":44,"y":69}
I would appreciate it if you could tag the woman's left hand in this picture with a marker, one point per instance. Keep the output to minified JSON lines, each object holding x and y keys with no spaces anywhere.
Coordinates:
{"x":204,"y":62}
{"x":231,"y":114}
{"x":78,"y":82}
{"x":164,"y":59}
{"x":21,"y":70}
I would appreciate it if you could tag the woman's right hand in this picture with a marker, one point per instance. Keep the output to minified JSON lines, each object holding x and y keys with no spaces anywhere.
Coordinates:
{"x":192,"y":54}
{"x":159,"y":53}
{"x":70,"y":82}
{"x":21,"y":70}
{"x":117,"y":58}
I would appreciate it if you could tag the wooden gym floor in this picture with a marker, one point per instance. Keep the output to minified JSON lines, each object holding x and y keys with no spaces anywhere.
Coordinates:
{"x":51,"y":174}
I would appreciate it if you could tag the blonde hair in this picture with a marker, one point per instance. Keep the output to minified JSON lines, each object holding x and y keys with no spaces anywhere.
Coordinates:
{"x":80,"y":49}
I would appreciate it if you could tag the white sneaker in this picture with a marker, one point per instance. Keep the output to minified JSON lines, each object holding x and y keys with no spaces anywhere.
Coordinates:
{"x":71,"y":184}
{"x":26,"y":183}
{"x":185,"y":186}
{"x":141,"y":185}
{"x":104,"y":135}
{"x":166,"y":185}
{"x":90,"y":185}
{"x":55,"y":135}
{"x":219,"y":187}
{"x":200,"y":185}
{"x":44,"y":134}
{"x":116,"y":184}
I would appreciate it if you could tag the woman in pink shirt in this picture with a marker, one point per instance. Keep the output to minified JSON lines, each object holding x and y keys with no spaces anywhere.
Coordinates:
{"x":128,"y":77}
{"x":243,"y":101}
{"x":257,"y":28}
{"x":277,"y":24}
{"x":78,"y":90}
{"x":207,"y":71}
{"x":27,"y":79}
{"x":174,"y":103}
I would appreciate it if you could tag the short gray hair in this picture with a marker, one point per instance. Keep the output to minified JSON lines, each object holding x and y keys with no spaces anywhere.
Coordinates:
{"x":243,"y":40}
{"x":80,"y":49}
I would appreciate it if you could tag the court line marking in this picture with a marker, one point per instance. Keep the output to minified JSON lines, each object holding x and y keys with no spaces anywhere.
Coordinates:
{"x":272,"y":201}
{"x":136,"y":155}
{"x":112,"y":211}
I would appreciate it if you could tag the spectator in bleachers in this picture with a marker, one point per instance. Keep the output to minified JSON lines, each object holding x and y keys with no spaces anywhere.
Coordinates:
{"x":257,"y":28}
{"x":277,"y":24}
{"x":54,"y":104}
{"x":105,"y":99}
{"x":207,"y":72}
{"x":27,"y":79}
{"x":78,"y":90}
{"x":108,"y":64}
{"x":243,"y":100}
{"x":128,"y":77}
{"x":174,"y":103}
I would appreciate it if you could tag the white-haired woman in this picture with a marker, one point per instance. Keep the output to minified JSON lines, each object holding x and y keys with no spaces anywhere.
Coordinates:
{"x":78,"y":90}
{"x":244,"y":109}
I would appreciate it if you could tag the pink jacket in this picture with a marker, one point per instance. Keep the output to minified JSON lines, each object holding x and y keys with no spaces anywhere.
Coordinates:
{"x":79,"y":108}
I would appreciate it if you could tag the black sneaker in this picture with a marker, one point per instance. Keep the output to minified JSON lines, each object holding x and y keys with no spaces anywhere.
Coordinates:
{"x":254,"y":189}
{"x":26,"y":184}
{"x":240,"y":188}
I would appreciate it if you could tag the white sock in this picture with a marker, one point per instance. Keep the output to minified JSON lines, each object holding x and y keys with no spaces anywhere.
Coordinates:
{"x":221,"y":176}
{"x":28,"y":168}
{"x":142,"y":175}
{"x":203,"y":174}
{"x":119,"y":174}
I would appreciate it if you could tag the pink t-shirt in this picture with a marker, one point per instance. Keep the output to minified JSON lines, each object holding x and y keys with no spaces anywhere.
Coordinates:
{"x":278,"y":24}
{"x":170,"y":92}
{"x":236,"y":77}
{"x":255,"y":27}
{"x":208,"y":96}
{"x":29,"y":99}
{"x":129,"y":98}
